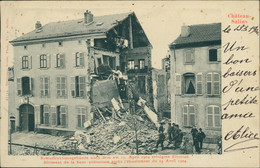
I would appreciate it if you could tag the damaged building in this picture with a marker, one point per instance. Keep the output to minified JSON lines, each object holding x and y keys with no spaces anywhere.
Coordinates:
{"x":59,"y":68}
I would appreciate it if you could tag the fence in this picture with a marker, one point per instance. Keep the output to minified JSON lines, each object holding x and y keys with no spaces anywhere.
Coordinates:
{"x":70,"y":152}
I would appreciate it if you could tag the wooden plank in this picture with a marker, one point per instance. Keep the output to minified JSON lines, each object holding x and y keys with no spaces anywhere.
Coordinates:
{"x":101,"y":114}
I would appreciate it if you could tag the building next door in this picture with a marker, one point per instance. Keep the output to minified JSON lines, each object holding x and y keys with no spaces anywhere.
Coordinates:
{"x":26,"y":112}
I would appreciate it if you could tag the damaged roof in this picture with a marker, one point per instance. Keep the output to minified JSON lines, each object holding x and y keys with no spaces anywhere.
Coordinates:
{"x":100,"y":24}
{"x":200,"y":33}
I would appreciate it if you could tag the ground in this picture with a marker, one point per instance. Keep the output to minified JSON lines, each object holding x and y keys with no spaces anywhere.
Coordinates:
{"x":58,"y":142}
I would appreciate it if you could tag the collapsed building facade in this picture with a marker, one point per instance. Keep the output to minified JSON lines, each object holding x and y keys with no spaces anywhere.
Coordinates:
{"x":57,"y":68}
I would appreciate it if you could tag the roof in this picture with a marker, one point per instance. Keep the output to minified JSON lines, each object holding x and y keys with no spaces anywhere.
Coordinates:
{"x":100,"y":24}
{"x":201,"y":33}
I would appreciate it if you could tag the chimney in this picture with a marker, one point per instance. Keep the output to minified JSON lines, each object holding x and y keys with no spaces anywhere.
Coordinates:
{"x":38,"y":25}
{"x":88,"y":17}
{"x":185,"y":31}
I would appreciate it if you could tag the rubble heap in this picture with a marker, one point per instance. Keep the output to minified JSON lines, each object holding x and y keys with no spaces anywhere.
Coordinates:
{"x":119,"y":136}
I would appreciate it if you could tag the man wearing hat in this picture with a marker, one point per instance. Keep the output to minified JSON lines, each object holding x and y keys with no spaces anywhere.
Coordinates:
{"x":201,"y":136}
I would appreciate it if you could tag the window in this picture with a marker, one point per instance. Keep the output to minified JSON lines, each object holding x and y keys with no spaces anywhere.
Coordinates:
{"x":81,"y":116}
{"x":199,"y":78}
{"x":189,"y":56}
{"x":141,"y":63}
{"x":213,"y":84}
{"x":213,"y":116}
{"x":78,"y":86}
{"x":61,"y":86}
{"x":109,"y":61}
{"x":188,"y":115}
{"x":60,"y":44}
{"x":44,"y":86}
{"x":43,"y":61}
{"x":79,"y":59}
{"x":24,"y":86}
{"x":213,"y":55}
{"x":99,"y":61}
{"x":44,"y":114}
{"x":25,"y":62}
{"x":60,"y":60}
{"x":131,"y":64}
{"x":62,"y":116}
{"x":189,"y":83}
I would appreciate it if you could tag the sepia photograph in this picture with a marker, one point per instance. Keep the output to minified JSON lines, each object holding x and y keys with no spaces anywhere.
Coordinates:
{"x":128,"y":82}
{"x":88,"y":86}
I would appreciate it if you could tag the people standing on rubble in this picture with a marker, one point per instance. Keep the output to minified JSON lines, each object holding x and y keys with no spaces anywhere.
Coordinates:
{"x":201,"y":136}
{"x":160,"y":140}
{"x":196,"y":143}
{"x":161,"y":129}
{"x":173,"y":131}
{"x":194,"y":132}
{"x":179,"y":137}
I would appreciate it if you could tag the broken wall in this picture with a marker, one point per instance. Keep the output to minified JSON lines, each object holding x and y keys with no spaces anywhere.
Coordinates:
{"x":159,"y":90}
{"x":104,"y":91}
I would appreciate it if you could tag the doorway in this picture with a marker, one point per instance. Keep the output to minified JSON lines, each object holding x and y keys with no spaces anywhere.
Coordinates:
{"x":26,"y":112}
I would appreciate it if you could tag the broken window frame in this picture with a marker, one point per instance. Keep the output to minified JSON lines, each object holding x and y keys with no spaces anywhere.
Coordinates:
{"x":215,"y":115}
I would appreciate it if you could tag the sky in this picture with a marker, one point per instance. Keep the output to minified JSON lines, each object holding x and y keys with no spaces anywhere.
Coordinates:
{"x":160,"y":20}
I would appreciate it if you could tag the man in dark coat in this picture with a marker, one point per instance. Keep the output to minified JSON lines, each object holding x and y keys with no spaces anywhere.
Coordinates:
{"x":201,"y":137}
{"x":169,"y":132}
{"x":161,"y":129}
{"x":179,"y":138}
{"x":194,"y":132}
{"x":160,"y":140}
{"x":196,"y":143}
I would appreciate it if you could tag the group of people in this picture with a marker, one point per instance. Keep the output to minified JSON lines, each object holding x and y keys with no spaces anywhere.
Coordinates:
{"x":175,"y":135}
{"x":198,"y":137}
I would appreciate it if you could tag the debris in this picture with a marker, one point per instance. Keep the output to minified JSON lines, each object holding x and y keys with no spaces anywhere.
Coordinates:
{"x":101,"y":114}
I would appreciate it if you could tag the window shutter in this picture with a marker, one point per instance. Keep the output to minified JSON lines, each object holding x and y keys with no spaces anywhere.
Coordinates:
{"x":82,"y":86}
{"x":48,"y":60}
{"x":19,"y":86}
{"x":62,"y":60}
{"x":81,"y":58}
{"x":72,"y":86}
{"x":192,"y":55}
{"x":55,"y":60}
{"x":42,"y":93}
{"x":48,"y":84}
{"x":21,"y":62}
{"x":30,"y":62}
{"x":191,"y":115}
{"x":37,"y":114}
{"x":178,"y":84}
{"x":219,"y":54}
{"x":74,"y":59}
{"x":199,"y":82}
{"x":53,"y":116}
{"x":216,"y":84}
{"x":209,"y":83}
{"x":185,"y":115}
{"x":31,"y":85}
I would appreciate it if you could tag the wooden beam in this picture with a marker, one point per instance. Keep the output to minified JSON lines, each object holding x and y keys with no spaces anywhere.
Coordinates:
{"x":101,"y":115}
{"x":114,"y":30}
{"x":130,"y":32}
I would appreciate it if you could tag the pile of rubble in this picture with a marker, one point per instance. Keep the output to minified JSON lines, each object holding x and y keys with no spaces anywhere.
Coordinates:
{"x":118,"y":136}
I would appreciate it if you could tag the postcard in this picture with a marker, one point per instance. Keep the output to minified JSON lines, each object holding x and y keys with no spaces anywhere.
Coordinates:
{"x":130,"y":84}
